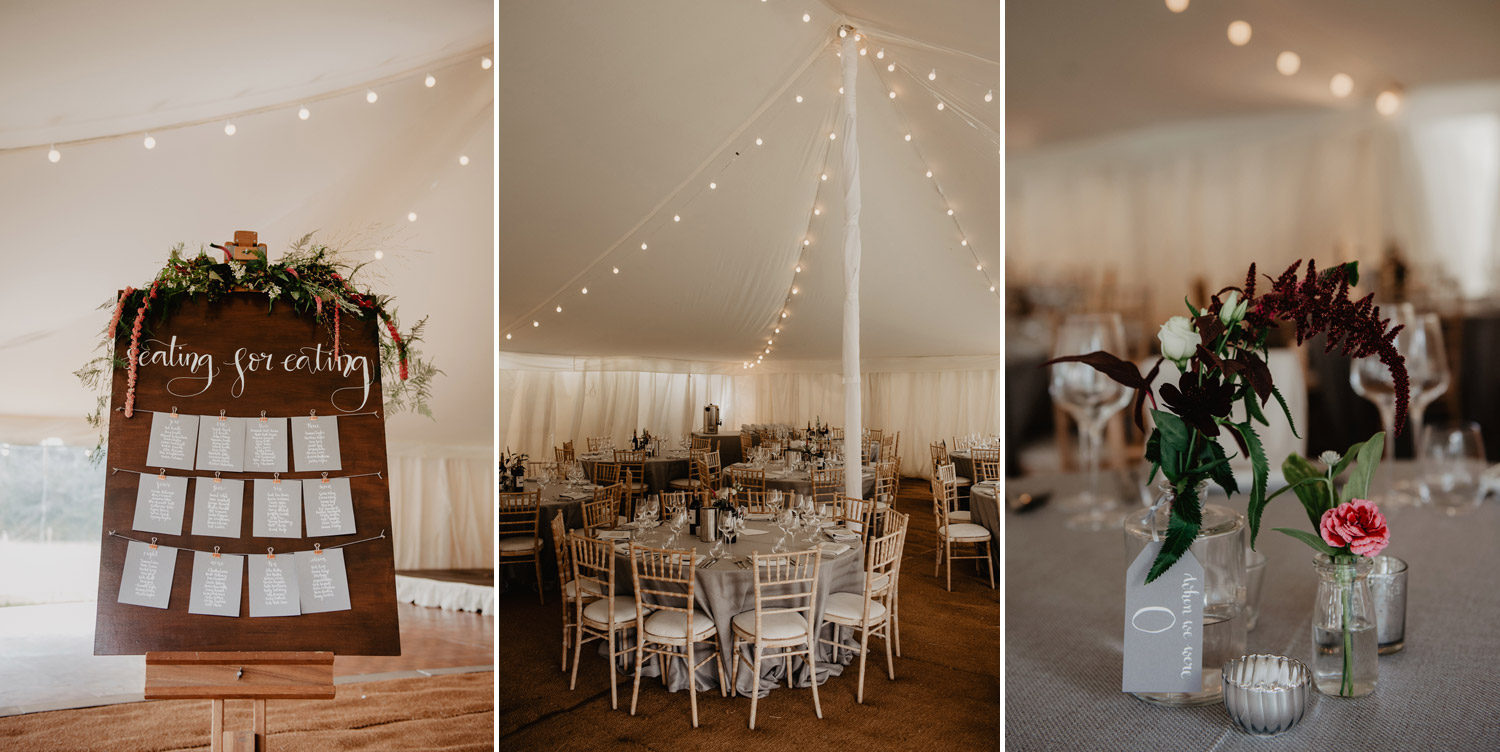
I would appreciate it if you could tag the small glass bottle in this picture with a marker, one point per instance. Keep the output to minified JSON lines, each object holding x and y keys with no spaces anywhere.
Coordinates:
{"x":1344,"y":641}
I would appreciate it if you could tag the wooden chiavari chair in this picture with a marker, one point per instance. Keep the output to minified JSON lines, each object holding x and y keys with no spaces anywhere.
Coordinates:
{"x":747,"y":478}
{"x":694,"y":480}
{"x":703,"y":443}
{"x":664,"y":582}
{"x":946,"y":474}
{"x":633,"y":463}
{"x":538,"y":468}
{"x":887,"y":483}
{"x":601,"y":443}
{"x":604,"y":618}
{"x":564,"y":453}
{"x":790,"y":629}
{"x":672,"y":501}
{"x":569,"y":586}
{"x":827,"y":484}
{"x":606,"y":474}
{"x":603,"y":510}
{"x":835,"y":434}
{"x":951,"y":532}
{"x":885,"y":522}
{"x":940,"y":458}
{"x":519,"y":516}
{"x":753,"y":502}
{"x":986,"y":464}
{"x":712,"y":472}
{"x":854,"y":514}
{"x":870,"y":611}
{"x":747,"y":441}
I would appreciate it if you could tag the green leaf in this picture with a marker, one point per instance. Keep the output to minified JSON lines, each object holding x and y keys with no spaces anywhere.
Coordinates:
{"x":1194,"y":311}
{"x":1182,"y":530}
{"x":1175,"y":437}
{"x":1252,"y":408}
{"x":1358,"y":486}
{"x":1259,"y":472}
{"x":1353,"y":272}
{"x":1315,"y":497}
{"x":1285,"y":410}
{"x":1219,"y":468}
{"x":1311,"y":540}
{"x":1345,"y":460}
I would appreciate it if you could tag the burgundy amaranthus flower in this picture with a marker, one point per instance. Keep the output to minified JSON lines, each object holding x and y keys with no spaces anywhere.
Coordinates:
{"x":1319,"y":304}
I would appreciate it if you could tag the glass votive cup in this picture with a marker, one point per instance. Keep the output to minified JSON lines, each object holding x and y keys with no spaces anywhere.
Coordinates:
{"x":1387,"y":580}
{"x":1255,"y":573}
{"x":1266,"y":694}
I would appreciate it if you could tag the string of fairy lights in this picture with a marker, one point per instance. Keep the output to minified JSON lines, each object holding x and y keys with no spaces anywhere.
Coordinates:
{"x":303,"y":108}
{"x":670,"y":212}
{"x":1289,"y":63}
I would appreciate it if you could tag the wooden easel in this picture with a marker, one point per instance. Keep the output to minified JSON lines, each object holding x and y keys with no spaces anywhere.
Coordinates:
{"x":253,"y":675}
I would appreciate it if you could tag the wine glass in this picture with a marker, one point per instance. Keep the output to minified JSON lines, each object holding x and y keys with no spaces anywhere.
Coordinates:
{"x":1453,"y":466}
{"x":726,"y":528}
{"x":783,"y":521}
{"x":1420,"y":343}
{"x":1091,"y":398}
{"x":679,"y":520}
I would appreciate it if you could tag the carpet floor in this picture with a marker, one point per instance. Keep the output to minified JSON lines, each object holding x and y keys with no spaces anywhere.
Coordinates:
{"x":946,"y":695}
{"x":452,"y":712}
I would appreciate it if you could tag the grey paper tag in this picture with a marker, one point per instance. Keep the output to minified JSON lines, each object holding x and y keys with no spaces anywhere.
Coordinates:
{"x":277,"y":509}
{"x":221,"y":444}
{"x":265,"y":445}
{"x":322,"y":581}
{"x":315,"y":444}
{"x":216,"y":584}
{"x":173,"y":441}
{"x":273,"y":586}
{"x":159,"y":503}
{"x":147,"y":576}
{"x":1164,"y":625}
{"x":218,"y":506}
{"x":329,"y":507}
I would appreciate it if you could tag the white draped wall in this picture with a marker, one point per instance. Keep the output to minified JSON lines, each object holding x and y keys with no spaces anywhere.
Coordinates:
{"x":545,"y":401}
{"x":1163,"y":206}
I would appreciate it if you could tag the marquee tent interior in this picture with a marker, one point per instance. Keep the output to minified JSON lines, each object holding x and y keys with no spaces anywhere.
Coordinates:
{"x":131,"y":128}
{"x":683,"y":145}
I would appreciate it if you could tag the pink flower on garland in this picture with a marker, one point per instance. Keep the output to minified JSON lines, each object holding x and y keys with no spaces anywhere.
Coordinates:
{"x":1357,"y":525}
{"x":119,"y":309}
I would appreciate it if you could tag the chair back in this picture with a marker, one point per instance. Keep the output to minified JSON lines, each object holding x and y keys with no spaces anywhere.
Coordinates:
{"x":671,"y":501}
{"x":747,"y":478}
{"x":883,"y":522}
{"x":564,"y":453}
{"x":986,"y":464}
{"x":886,"y":482}
{"x":827,"y":484}
{"x":854,"y":514}
{"x":747,"y":440}
{"x":538,"y":468}
{"x":752,"y":502}
{"x":603,"y":510}
{"x":702,"y":442}
{"x":630,"y":456}
{"x":663,"y":579}
{"x":874,"y":434}
{"x":711,"y":472}
{"x":560,"y":548}
{"x":519,"y":513}
{"x":601,"y":443}
{"x":944,"y":495}
{"x":594,"y":563}
{"x":787,"y":584}
{"x":883,"y":558}
{"x":606,"y":473}
{"x":939,"y":455}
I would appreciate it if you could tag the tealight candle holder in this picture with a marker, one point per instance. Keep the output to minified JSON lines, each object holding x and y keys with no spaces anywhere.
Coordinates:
{"x":1266,"y":694}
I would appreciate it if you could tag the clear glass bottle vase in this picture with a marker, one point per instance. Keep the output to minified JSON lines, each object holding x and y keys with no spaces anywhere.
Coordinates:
{"x":1220,"y":548}
{"x":1345,"y":649}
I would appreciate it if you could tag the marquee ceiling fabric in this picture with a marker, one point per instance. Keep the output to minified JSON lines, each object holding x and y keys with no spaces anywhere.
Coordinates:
{"x":104,"y":216}
{"x":618,"y":116}
{"x":1085,"y":68}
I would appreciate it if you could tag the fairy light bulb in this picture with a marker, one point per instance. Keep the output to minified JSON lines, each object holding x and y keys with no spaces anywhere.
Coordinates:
{"x":507,"y":335}
{"x":880,"y":55}
{"x":841,"y":90}
{"x":778,"y":330}
{"x":824,"y":176}
{"x":1387,"y":102}
{"x":798,"y":270}
{"x":929,"y":173}
{"x":862,"y":51}
{"x":783,"y":314}
{"x":759,"y":142}
{"x":559,"y":309}
{"x":53,"y":155}
{"x":833,"y":136}
{"x":616,"y":270}
{"x":229,"y":129}
{"x":964,"y":242}
{"x":950,"y":212}
{"x":713,"y":186}
{"x":1239,"y":33}
{"x":908,"y":137}
{"x":411,"y":216}
{"x":149,"y":142}
{"x":992,"y":288}
{"x":799,"y":99}
{"x":979,"y":267}
{"x":371,"y":96}
{"x":1341,"y":85}
{"x":890,"y":68}
{"x":843,"y":33}
{"x":1288,"y":63}
{"x":303,"y":113}
{"x":770,"y":342}
{"x":817,"y":212}
{"x":676,"y":217}
{"x":768,"y":351}
{"x":794,"y":290}
{"x":989,"y":96}
{"x":584,"y":291}
{"x":1177,"y":6}
{"x":806,"y":242}
{"x":940,"y":106}
{"x":486,"y":63}
{"x":806,"y":17}
{"x":932,"y":75}
{"x":431,"y":81}
{"x":643,"y":246}
{"x":463,"y":160}
{"x":536,"y":323}
{"x":893,"y":95}
{"x":379,"y":255}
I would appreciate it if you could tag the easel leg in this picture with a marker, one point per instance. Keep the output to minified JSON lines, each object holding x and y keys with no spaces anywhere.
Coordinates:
{"x":216,"y":726}
{"x":261,"y":743}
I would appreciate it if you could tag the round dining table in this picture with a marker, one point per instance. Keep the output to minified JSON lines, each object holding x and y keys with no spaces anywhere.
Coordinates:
{"x":726,"y":587}
{"x":800,"y":481}
{"x":660,"y":470}
{"x":984,"y":509}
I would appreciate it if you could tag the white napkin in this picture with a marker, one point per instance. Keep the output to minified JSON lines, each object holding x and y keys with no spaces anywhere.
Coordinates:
{"x":760,"y":517}
{"x":575,"y":495}
{"x":752,"y":531}
{"x":830,"y":550}
{"x":612,"y":534}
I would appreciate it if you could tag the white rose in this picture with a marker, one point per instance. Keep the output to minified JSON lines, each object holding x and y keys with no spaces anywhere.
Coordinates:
{"x":1178,"y":340}
{"x":1233,"y":309}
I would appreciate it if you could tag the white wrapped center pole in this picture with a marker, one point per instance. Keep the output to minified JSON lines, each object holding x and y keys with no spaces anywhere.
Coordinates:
{"x":853,"y":422}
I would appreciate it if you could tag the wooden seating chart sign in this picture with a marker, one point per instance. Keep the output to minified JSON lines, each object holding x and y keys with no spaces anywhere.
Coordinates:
{"x":246,"y":502}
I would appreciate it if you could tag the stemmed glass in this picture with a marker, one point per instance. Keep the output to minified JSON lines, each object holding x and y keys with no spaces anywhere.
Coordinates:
{"x":1420,"y":342}
{"x":679,"y":520}
{"x":783,"y":522}
{"x":1091,"y":398}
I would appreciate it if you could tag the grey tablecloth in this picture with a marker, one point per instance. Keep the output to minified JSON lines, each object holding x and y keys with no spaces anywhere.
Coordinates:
{"x":963,"y":464}
{"x":660,"y":471}
{"x":800,"y":481}
{"x":1064,"y":598}
{"x":984,"y":506}
{"x":724,"y":590}
{"x":726,"y":444}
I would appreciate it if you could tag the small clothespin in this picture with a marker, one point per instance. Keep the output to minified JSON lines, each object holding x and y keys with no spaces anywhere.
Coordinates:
{"x":312,"y":415}
{"x":325,"y":477}
{"x":216,"y":552}
{"x":161,"y":473}
{"x":317,"y":549}
{"x":174,"y":412}
{"x":153,"y":543}
{"x":217,"y":479}
{"x":276,"y":478}
{"x":221,"y":416}
{"x":263,"y":416}
{"x":270,"y":553}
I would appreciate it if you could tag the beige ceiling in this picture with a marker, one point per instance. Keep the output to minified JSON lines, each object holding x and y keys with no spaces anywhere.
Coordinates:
{"x":1083,"y":68}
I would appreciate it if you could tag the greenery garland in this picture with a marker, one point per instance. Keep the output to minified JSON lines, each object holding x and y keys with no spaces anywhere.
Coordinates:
{"x":309,"y":277}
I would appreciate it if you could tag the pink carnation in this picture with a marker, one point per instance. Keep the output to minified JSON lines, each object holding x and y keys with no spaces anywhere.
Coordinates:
{"x":1357,"y":524}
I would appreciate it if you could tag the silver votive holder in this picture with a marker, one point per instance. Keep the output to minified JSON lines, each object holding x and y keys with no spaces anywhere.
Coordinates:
{"x":1266,"y":694}
{"x":1255,"y":574}
{"x":1388,"y":590}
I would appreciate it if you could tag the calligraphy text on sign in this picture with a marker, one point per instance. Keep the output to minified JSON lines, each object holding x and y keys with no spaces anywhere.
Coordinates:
{"x":201,"y":371}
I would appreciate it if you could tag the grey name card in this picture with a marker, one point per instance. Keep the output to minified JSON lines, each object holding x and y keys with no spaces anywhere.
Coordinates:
{"x":221,"y":444}
{"x":329,"y":507}
{"x":159,"y":503}
{"x":277,"y":509}
{"x":265,"y":445}
{"x":216,"y":584}
{"x":273,"y":586}
{"x":147,"y":577}
{"x":173,"y":441}
{"x":315,"y":443}
{"x":218,"y":505}
{"x":322,"y":581}
{"x":1163,"y":625}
